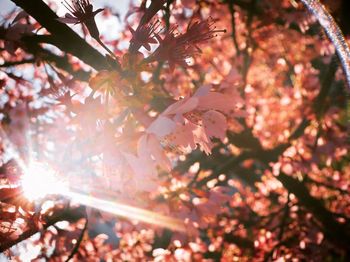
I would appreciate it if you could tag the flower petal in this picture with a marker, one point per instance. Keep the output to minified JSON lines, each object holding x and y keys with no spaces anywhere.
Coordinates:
{"x":215,"y":124}
{"x":182,"y":106}
{"x":162,"y":126}
{"x":149,"y":147}
{"x":217,"y":101}
{"x":68,"y":19}
{"x":203,"y":90}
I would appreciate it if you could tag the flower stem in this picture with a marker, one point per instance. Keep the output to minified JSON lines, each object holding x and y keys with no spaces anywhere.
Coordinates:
{"x":106,"y":48}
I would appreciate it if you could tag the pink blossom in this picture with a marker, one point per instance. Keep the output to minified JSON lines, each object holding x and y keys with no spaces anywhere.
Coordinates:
{"x":199,"y":32}
{"x":144,"y":35}
{"x":81,"y":11}
{"x":177,"y":48}
{"x":150,"y":148}
{"x":217,"y":101}
{"x":172,"y":51}
{"x":144,"y":177}
{"x":215,"y":124}
{"x":194,"y":120}
{"x":182,"y":137}
{"x":162,"y":126}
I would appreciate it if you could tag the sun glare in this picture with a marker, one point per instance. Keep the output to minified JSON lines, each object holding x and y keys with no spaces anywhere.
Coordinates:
{"x":128,"y":212}
{"x":39,"y":180}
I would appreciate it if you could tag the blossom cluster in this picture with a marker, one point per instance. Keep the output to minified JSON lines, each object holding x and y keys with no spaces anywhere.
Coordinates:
{"x":231,"y":146}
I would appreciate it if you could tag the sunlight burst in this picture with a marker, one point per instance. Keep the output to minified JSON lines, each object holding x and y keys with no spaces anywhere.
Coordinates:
{"x":128,"y":212}
{"x":40,"y":180}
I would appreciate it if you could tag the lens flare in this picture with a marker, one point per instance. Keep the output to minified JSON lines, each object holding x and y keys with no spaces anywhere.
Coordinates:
{"x":128,"y":212}
{"x":40,"y":180}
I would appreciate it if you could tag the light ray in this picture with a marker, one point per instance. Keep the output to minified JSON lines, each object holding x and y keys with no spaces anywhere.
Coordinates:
{"x":128,"y":212}
{"x":39,"y":181}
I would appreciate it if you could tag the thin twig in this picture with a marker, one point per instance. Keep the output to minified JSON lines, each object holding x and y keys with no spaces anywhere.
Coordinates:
{"x":106,"y":48}
{"x":14,"y":63}
{"x":230,"y":4}
{"x":79,"y":240}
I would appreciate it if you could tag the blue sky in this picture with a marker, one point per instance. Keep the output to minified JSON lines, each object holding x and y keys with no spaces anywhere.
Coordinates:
{"x":120,"y":5}
{"x":5,"y":6}
{"x":109,"y":28}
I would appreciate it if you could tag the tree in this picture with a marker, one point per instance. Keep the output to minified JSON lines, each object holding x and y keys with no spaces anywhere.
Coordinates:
{"x":224,"y":122}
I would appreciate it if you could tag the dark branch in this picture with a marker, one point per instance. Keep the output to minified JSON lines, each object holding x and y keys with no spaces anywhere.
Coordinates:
{"x":15,"y":63}
{"x":63,"y":37}
{"x":230,"y":4}
{"x":65,"y":214}
{"x":77,"y":245}
{"x":334,"y":230}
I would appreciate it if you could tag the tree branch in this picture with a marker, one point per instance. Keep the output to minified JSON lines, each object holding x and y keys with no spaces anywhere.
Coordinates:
{"x":21,"y":62}
{"x":230,"y":4}
{"x":335,"y":231}
{"x":63,"y":37}
{"x":77,"y":245}
{"x":65,"y":214}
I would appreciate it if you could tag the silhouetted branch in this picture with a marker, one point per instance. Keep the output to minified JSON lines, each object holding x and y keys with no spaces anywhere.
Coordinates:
{"x":15,"y":63}
{"x":62,"y":36}
{"x":65,"y":214}
{"x":81,"y":236}
{"x":334,"y":230}
{"x":230,"y":4}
